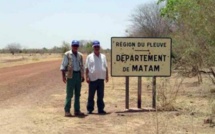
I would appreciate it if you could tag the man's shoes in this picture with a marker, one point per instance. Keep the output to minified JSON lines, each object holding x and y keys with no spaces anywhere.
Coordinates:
{"x":89,"y":112}
{"x":79,"y":113}
{"x":68,"y":114}
{"x":102,"y":112}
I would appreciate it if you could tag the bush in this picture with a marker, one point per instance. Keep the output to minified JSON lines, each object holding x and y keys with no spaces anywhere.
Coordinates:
{"x":65,"y":47}
{"x":168,"y":93}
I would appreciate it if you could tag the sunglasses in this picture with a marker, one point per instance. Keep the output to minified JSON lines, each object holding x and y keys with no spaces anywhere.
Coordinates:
{"x":97,"y":47}
{"x":75,"y":46}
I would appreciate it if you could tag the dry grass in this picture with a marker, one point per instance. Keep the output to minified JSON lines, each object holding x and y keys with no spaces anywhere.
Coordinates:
{"x":8,"y":60}
{"x":168,"y":91}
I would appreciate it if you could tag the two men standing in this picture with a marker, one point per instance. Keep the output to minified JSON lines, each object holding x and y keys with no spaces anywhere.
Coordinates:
{"x":73,"y":74}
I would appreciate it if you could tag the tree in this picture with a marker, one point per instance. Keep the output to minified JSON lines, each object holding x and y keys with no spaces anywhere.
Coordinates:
{"x":194,"y":38}
{"x":88,"y":48}
{"x":196,"y":15}
{"x":45,"y":50}
{"x":85,"y":46}
{"x":65,"y":47}
{"x":171,"y":8}
{"x":14,"y":48}
{"x":147,"y":22}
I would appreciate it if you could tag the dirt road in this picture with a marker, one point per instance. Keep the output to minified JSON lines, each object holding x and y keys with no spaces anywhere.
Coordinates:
{"x":32,"y":99}
{"x":25,"y":91}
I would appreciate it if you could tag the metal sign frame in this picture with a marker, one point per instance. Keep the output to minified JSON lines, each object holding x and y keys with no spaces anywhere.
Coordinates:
{"x":139,"y":92}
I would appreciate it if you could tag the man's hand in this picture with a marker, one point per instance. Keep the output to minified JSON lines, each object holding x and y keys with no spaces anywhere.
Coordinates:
{"x":107,"y":79}
{"x":64,"y":79}
{"x":63,"y":76}
{"x":88,"y":80}
{"x":82,"y":79}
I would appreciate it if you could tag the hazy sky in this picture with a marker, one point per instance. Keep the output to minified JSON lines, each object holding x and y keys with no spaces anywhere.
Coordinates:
{"x":46,"y":23}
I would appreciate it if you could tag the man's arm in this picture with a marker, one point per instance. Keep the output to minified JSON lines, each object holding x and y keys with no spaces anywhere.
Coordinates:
{"x":63,"y":75}
{"x":87,"y":70}
{"x":82,"y":64}
{"x":63,"y":68}
{"x":107,"y":77}
{"x":82,"y":69}
{"x":87,"y":75}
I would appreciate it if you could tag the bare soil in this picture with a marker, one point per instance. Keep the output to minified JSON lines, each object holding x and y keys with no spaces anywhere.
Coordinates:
{"x":32,"y":100}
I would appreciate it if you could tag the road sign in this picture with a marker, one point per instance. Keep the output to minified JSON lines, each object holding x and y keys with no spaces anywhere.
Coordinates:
{"x":140,"y":56}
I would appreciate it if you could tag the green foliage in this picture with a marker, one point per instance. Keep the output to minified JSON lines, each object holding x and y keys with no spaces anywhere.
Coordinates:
{"x":65,"y":47}
{"x":45,"y":50}
{"x":88,"y":48}
{"x":84,"y":47}
{"x":194,"y":35}
{"x":196,"y":16}
{"x":171,"y":8}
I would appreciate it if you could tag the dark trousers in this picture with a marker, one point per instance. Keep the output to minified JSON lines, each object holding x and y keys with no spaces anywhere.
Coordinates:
{"x":94,"y":86}
{"x":73,"y":85}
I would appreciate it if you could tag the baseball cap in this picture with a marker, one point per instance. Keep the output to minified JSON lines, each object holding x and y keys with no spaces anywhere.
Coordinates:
{"x":75,"y":42}
{"x":96,"y":43}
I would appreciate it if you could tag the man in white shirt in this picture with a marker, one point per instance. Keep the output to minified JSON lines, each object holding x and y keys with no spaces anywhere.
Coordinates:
{"x":96,"y":73}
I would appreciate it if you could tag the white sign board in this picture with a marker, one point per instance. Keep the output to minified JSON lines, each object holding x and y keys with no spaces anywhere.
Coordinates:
{"x":141,"y":56}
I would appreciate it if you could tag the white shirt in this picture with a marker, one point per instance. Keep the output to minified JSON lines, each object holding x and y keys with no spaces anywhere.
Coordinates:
{"x":97,"y":66}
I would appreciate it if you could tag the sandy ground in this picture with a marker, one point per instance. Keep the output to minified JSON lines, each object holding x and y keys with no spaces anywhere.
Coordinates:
{"x":9,"y":60}
{"x":32,"y":100}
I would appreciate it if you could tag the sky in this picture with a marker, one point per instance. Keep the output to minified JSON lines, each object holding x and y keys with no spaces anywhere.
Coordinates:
{"x":47,"y":23}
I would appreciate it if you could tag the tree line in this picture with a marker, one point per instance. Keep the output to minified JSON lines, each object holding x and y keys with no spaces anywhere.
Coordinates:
{"x":85,"y":47}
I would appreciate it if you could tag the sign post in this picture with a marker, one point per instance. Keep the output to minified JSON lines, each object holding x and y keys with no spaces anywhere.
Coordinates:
{"x":140,"y":57}
{"x":127,"y":92}
{"x":154,"y":92}
{"x":139,"y":92}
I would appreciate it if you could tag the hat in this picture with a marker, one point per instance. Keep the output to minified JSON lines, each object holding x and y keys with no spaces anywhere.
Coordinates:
{"x":96,"y":43}
{"x":75,"y":42}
